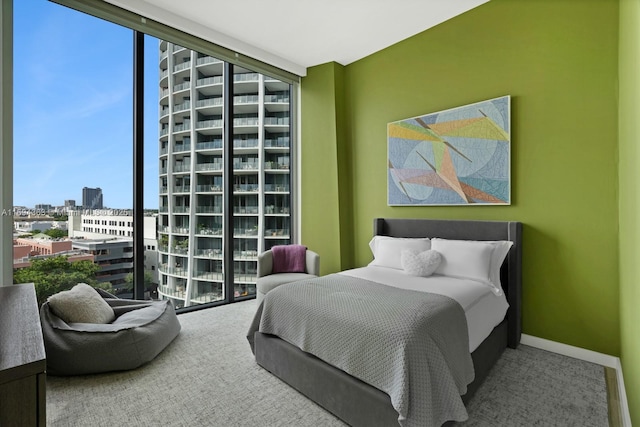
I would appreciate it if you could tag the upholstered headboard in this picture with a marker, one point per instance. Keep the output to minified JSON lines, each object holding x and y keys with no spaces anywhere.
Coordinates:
{"x":511,"y":271}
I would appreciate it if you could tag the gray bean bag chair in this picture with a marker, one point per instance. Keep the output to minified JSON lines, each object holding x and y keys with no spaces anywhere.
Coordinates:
{"x":139,"y":331}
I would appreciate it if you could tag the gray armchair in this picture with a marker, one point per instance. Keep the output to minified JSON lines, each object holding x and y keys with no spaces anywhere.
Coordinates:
{"x":268,"y":281}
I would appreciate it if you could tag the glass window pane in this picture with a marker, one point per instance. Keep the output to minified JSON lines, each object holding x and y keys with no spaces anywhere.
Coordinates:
{"x":72,"y":148}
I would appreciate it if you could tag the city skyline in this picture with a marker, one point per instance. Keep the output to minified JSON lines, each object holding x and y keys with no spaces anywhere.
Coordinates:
{"x":73,"y":112}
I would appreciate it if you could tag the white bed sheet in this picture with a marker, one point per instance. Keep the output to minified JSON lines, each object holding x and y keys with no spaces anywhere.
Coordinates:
{"x":483,"y":308}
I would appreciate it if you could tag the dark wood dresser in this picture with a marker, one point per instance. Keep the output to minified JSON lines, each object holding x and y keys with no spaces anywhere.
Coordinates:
{"x":22,"y":358}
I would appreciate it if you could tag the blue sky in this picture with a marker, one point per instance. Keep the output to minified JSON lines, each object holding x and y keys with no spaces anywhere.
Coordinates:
{"x":73,"y":113}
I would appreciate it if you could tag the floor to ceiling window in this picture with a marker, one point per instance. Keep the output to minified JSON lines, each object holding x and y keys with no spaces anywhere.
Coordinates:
{"x":72,"y":133}
{"x":217,"y":147}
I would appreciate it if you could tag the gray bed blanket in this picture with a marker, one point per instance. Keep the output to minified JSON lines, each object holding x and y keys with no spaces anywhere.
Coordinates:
{"x":411,"y":345}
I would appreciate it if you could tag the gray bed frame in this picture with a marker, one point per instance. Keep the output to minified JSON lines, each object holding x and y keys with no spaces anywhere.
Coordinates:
{"x":359,"y":404}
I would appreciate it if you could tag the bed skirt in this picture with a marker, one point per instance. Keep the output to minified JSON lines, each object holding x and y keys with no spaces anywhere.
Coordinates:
{"x":365,"y":406}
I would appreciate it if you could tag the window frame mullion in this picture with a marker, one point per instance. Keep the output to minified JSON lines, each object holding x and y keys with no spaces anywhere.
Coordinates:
{"x":227,"y":194}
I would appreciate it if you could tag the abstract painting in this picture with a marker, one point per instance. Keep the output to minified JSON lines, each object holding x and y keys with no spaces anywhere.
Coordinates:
{"x":459,"y":156}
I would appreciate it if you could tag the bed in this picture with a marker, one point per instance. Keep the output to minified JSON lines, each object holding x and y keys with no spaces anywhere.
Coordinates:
{"x":357,"y":402}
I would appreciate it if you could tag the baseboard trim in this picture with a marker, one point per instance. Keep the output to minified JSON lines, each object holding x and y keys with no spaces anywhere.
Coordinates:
{"x":587,"y":356}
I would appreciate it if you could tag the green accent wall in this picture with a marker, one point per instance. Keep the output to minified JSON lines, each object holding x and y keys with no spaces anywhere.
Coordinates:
{"x":629,"y":189}
{"x":325,"y":187}
{"x":559,"y":62}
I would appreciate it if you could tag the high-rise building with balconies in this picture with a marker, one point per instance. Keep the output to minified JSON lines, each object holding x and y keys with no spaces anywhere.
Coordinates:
{"x":193,"y":179}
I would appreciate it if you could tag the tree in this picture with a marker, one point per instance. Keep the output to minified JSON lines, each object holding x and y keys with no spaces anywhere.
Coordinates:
{"x":55,"y":274}
{"x":148,"y":279}
{"x":56,"y":233}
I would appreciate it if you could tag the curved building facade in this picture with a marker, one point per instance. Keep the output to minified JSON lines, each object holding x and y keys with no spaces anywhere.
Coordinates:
{"x":192,"y":179}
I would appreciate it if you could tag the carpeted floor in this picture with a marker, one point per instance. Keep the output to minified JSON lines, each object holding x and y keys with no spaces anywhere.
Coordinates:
{"x":208,"y":377}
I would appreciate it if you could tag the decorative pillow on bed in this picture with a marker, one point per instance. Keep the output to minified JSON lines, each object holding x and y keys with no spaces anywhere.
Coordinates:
{"x":81,"y":304}
{"x":468,"y":259}
{"x":500,"y":250}
{"x":421,"y":264}
{"x":387,"y":250}
{"x":464,"y":258}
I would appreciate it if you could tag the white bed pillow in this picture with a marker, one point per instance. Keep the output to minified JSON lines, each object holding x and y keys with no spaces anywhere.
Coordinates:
{"x":464,"y":258}
{"x":500,"y":251}
{"x":81,"y":304}
{"x":421,"y":264}
{"x":468,"y":259}
{"x":387,"y":250}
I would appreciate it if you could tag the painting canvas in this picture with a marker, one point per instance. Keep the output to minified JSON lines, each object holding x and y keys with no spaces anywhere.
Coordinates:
{"x":459,"y":156}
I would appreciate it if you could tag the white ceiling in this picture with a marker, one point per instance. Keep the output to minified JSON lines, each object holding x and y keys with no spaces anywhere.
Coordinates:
{"x":296,"y":34}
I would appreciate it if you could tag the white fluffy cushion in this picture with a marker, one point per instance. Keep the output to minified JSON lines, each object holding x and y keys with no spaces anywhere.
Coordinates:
{"x":421,"y":264}
{"x":464,"y":258}
{"x":387,"y":250}
{"x":81,"y":304}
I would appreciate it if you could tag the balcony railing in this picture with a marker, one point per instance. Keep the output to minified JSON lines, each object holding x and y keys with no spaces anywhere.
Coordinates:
{"x":250,"y":210}
{"x":182,"y":168}
{"x":245,"y":143}
{"x":245,"y":278}
{"x":181,"y":66}
{"x":207,"y":297}
{"x":182,"y":106}
{"x":276,"y":188}
{"x":215,"y":166}
{"x":209,"y":209}
{"x":210,"y":253}
{"x":166,"y":290}
{"x":181,"y":209}
{"x":276,"y":98}
{"x":246,"y":187}
{"x":207,"y":60}
{"x":245,"y":121}
{"x":182,"y":147}
{"x":246,"y":99}
{"x":245,"y":255}
{"x":176,"y":271}
{"x":208,"y":188}
{"x":215,"y":123}
{"x":181,"y":188}
{"x":273,"y":210}
{"x":215,"y":80}
{"x":245,"y":232}
{"x":275,"y":165}
{"x":181,"y":127}
{"x":179,"y":250}
{"x":181,"y":86}
{"x":276,"y":121}
{"x":209,"y":145}
{"x":210,"y":231}
{"x":208,"y":275}
{"x":276,"y":232}
{"x":245,"y":165}
{"x":210,"y":102}
{"x":280,"y":142}
{"x":246,"y":77}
